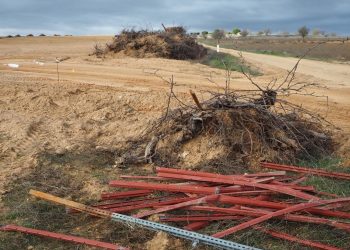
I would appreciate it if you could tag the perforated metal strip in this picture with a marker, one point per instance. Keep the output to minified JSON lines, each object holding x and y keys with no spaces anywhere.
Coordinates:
{"x":193,"y":236}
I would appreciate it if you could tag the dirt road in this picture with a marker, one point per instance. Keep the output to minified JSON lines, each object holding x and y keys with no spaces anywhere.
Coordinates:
{"x":336,"y":74}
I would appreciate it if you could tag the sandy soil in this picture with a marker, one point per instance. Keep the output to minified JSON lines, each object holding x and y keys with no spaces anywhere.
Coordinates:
{"x":100,"y":103}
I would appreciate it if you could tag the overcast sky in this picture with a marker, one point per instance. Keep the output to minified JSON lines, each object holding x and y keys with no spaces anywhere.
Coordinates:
{"x":87,"y":17}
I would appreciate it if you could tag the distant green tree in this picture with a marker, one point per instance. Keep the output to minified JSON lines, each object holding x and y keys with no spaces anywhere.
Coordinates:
{"x":260,"y":33}
{"x":303,"y":32}
{"x":205,"y":34}
{"x":218,"y":34}
{"x":235,"y":31}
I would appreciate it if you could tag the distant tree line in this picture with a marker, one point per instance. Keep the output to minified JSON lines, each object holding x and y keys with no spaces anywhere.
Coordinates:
{"x":303,"y":32}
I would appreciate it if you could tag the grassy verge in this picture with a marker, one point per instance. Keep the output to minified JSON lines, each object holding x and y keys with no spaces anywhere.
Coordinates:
{"x":228,"y":62}
{"x":230,"y":44}
{"x":335,"y":186}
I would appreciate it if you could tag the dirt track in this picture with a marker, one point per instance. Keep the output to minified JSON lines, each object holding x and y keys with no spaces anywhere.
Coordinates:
{"x":99,"y":103}
{"x":335,"y":75}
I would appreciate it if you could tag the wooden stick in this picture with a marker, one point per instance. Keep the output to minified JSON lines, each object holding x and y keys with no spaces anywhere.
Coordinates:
{"x":195,"y":99}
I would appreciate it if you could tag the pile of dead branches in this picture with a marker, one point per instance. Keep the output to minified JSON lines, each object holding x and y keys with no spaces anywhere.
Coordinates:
{"x":172,"y":43}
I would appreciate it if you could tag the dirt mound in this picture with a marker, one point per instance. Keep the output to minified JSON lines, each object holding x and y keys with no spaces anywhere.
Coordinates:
{"x":228,"y":132}
{"x":174,"y":43}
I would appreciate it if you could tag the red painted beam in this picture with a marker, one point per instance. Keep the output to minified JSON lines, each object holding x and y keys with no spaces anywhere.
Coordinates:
{"x":294,"y":186}
{"x":319,"y":172}
{"x":251,"y":193}
{"x":144,"y":177}
{"x":200,"y":174}
{"x":129,"y":203}
{"x":292,"y":238}
{"x":276,"y":188}
{"x":294,"y":208}
{"x":275,"y":205}
{"x":191,"y":218}
{"x":124,"y":194}
{"x":201,"y":200}
{"x":267,"y":174}
{"x":207,"y":174}
{"x":165,"y":187}
{"x":196,"y":225}
{"x":150,"y":204}
{"x":258,"y":213}
{"x":64,"y":237}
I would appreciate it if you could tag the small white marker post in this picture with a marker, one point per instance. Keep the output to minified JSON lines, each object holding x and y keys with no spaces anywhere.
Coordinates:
{"x":218,"y":48}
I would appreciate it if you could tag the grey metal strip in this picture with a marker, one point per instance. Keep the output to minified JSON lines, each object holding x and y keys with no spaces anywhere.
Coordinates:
{"x":195,"y":237}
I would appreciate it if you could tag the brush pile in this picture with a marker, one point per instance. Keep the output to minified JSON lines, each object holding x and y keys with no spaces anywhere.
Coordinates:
{"x":172,"y":43}
{"x":228,"y":132}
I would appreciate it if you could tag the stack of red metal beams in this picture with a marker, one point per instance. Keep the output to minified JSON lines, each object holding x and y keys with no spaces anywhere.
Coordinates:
{"x":201,"y":198}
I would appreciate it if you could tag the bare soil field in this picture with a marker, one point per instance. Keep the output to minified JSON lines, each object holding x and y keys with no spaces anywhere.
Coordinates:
{"x":334,"y":49}
{"x":61,"y":136}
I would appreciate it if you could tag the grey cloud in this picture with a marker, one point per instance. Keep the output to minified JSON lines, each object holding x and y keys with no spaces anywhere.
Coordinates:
{"x":110,"y":16}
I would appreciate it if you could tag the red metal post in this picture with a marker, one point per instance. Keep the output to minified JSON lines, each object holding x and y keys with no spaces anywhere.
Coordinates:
{"x":294,"y":208}
{"x":150,"y":204}
{"x":275,"y":205}
{"x":124,"y":194}
{"x":288,"y":237}
{"x":164,"y":187}
{"x":320,"y":172}
{"x":276,"y":188}
{"x":63,"y":237}
{"x":178,"y":205}
{"x":196,"y":225}
{"x":259,"y":212}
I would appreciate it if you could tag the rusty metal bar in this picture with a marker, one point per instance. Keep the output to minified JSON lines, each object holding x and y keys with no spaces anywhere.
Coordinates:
{"x":164,"y":187}
{"x":64,"y":237}
{"x":124,"y":194}
{"x":201,"y":174}
{"x":144,"y":177}
{"x":257,"y":213}
{"x":278,"y":205}
{"x":150,"y":204}
{"x":292,"y":238}
{"x":194,"y":226}
{"x":195,"y":99}
{"x":319,"y":172}
{"x":294,"y":208}
{"x":72,"y":204}
{"x":177,"y":205}
{"x":276,"y":188}
{"x":212,"y":217}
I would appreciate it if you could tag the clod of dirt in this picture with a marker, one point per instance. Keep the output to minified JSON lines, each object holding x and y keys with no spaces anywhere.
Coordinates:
{"x":162,"y":241}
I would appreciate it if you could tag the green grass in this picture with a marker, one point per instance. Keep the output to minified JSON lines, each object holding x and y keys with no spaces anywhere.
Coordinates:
{"x":229,"y":44}
{"x":324,"y":184}
{"x":228,"y":62}
{"x":272,"y":53}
